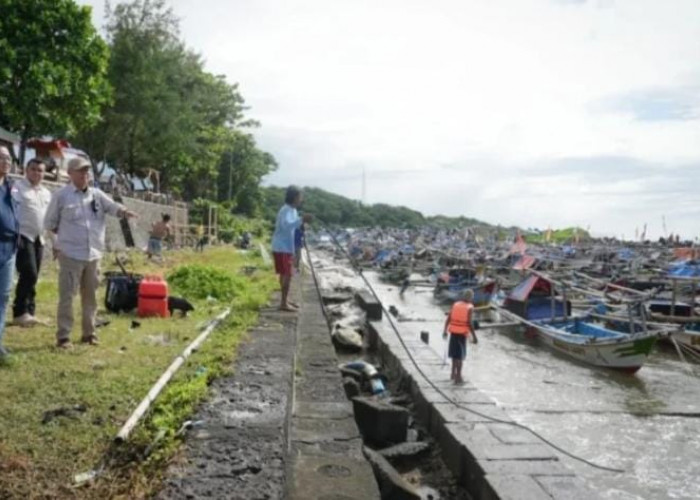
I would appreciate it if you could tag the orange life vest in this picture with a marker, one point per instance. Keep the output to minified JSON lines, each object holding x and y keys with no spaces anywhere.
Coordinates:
{"x":461,"y":318}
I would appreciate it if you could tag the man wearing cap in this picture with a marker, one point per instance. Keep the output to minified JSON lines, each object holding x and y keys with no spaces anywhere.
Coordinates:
{"x":9,"y":232}
{"x":33,"y":199}
{"x":76,"y":215}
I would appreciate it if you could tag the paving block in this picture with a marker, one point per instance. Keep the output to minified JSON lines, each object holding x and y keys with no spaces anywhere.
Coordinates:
{"x":370,"y":305}
{"x":502,"y":487}
{"x":380,"y":422}
{"x":335,"y":477}
{"x":566,"y":488}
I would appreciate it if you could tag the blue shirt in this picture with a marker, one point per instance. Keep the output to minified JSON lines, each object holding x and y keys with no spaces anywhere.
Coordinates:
{"x":9,"y":225}
{"x":287,"y":221}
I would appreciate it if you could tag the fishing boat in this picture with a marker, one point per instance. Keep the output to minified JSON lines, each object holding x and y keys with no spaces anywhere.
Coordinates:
{"x":535,"y":304}
{"x":450,"y":286}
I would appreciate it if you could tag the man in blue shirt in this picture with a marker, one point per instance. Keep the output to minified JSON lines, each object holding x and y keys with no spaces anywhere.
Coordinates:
{"x":283,"y":247}
{"x":9,"y":238}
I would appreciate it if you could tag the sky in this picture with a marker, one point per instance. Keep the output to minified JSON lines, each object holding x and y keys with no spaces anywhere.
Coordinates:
{"x":534,"y":113}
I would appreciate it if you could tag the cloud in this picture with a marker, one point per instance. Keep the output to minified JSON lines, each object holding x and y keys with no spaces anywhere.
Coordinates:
{"x":529,"y":112}
{"x":655,"y":105}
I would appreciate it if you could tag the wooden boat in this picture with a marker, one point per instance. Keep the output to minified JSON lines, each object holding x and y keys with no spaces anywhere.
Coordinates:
{"x":535,"y":304}
{"x":451,"y":286}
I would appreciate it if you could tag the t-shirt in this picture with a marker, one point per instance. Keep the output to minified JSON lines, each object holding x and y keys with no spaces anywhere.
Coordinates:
{"x":287,"y":221}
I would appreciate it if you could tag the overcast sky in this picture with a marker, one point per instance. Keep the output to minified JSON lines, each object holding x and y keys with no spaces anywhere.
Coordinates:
{"x":528,"y":112}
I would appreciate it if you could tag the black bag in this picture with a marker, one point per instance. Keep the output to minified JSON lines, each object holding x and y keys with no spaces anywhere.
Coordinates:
{"x":122,"y":293}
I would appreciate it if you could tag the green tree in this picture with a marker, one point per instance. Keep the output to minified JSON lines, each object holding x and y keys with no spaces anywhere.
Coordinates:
{"x":53,"y":67}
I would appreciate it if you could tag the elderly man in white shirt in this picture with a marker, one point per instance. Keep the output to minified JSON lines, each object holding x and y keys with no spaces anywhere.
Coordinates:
{"x":76,"y":215}
{"x":32,"y":199}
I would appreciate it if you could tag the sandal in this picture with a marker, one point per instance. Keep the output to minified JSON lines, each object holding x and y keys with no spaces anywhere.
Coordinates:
{"x":90,"y":340}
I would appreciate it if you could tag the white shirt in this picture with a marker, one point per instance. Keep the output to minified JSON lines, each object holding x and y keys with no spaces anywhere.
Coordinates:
{"x":33,"y":202}
{"x":78,"y":217}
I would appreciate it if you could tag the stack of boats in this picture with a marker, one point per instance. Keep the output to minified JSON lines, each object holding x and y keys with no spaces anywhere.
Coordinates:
{"x":604,"y":304}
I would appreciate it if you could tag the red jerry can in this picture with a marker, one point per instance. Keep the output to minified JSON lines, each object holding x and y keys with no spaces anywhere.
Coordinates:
{"x":153,"y":297}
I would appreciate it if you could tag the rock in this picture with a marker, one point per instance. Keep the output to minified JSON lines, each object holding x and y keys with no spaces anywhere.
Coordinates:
{"x":404,"y":450}
{"x":380,"y":422}
{"x":352,"y":387}
{"x":425,"y":337}
{"x":391,"y":485}
{"x":347,"y":339}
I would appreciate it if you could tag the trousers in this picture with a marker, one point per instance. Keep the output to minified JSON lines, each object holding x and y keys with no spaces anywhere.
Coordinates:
{"x":73,"y":276}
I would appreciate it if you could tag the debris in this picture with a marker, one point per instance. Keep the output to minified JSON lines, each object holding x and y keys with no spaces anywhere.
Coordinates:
{"x":404,"y":450}
{"x":347,"y":338}
{"x":425,"y":337}
{"x":135,"y":324}
{"x":352,"y":388}
{"x":84,"y":477}
{"x":391,"y":485}
{"x":379,"y":421}
{"x":394,"y":311}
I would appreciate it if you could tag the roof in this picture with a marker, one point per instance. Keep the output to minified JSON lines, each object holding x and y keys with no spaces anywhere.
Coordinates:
{"x":7,"y":136}
{"x":521,"y":292}
{"x":525,"y":262}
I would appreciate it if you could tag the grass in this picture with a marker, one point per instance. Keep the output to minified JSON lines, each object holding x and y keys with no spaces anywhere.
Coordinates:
{"x":105,"y":383}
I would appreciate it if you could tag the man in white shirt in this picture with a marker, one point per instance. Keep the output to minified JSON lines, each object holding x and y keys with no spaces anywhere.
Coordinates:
{"x":76,"y":215}
{"x":33,"y":200}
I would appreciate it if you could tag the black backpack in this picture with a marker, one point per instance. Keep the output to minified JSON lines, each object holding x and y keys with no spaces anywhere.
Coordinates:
{"x":122,"y":293}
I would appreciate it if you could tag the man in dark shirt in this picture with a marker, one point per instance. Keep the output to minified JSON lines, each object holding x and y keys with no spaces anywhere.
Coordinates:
{"x":9,"y":234}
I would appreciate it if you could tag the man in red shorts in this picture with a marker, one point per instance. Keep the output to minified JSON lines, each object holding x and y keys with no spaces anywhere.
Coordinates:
{"x":287,"y":222}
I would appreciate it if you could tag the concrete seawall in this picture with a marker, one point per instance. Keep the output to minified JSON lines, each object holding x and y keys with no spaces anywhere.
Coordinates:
{"x":491,"y":460}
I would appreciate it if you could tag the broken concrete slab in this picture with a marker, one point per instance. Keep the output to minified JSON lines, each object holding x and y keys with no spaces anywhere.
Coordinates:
{"x":404,"y":450}
{"x":391,"y":485}
{"x":380,"y":422}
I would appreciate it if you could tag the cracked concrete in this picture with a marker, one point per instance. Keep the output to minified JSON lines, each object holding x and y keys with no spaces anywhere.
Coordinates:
{"x":280,"y":426}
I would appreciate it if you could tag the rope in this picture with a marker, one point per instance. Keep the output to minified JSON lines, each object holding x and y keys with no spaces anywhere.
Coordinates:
{"x":358,"y":270}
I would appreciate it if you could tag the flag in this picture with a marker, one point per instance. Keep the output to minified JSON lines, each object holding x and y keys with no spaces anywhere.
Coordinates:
{"x":519,"y":246}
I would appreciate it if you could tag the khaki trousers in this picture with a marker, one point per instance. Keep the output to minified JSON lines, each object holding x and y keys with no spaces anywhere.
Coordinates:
{"x":77,"y":275}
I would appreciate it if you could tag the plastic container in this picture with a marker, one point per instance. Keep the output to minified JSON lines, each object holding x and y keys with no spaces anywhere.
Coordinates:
{"x":153,"y":297}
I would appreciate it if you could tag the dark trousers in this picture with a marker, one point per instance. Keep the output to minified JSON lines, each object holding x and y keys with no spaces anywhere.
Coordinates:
{"x":28,"y":262}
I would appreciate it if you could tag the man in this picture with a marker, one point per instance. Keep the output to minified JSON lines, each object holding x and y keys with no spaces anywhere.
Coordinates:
{"x":287,"y":222}
{"x":159,"y":231}
{"x":9,"y":233}
{"x":76,"y":215}
{"x":460,"y":324}
{"x":33,"y":200}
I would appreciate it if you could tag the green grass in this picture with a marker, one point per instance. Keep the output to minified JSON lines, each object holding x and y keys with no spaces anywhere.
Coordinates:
{"x":40,"y":460}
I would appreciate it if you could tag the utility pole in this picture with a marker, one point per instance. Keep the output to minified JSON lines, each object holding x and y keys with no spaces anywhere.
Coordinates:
{"x":364,"y":186}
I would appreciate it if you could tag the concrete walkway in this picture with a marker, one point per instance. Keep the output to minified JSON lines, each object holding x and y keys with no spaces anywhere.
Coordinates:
{"x":280,"y":426}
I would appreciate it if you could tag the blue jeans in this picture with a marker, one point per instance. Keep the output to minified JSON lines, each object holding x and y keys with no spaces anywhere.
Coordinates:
{"x":6,"y":272}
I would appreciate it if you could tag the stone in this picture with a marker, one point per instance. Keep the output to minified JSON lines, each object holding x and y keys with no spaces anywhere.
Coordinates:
{"x":380,"y":422}
{"x":405,"y":450}
{"x":352,"y":388}
{"x":391,"y":485}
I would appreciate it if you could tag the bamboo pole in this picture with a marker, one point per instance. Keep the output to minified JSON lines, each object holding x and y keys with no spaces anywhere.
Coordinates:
{"x":146,"y":403}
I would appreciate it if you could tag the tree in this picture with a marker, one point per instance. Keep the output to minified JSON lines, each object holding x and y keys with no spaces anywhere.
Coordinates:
{"x":53,"y":67}
{"x":170,"y":115}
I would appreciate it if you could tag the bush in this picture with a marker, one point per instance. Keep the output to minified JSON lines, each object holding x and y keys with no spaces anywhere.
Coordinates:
{"x":199,"y":282}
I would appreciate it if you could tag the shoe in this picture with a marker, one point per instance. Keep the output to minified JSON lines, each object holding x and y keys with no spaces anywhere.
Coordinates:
{"x":25,"y":320}
{"x":90,"y":340}
{"x":64,"y":344}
